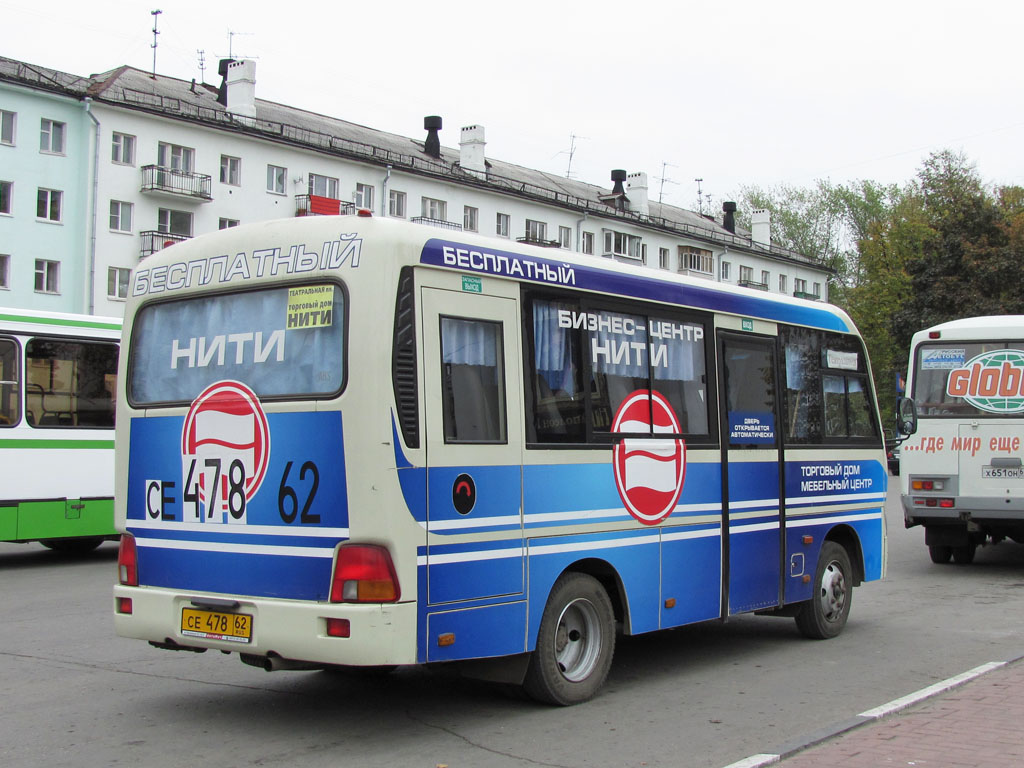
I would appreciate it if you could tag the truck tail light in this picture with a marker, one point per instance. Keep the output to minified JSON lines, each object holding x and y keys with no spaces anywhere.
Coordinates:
{"x":127,"y":561}
{"x":364,"y":573}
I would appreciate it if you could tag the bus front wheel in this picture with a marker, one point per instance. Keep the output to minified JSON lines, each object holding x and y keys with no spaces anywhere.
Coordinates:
{"x":825,"y":614}
{"x":575,"y":642}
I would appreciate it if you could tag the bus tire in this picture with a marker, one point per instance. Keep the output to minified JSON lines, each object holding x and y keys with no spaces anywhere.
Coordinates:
{"x":73,"y":546}
{"x":825,"y":614}
{"x":575,"y":642}
{"x":964,"y":555}
{"x":940,"y":553}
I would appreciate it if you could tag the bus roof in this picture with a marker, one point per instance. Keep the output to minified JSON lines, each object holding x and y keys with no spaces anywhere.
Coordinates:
{"x":475,"y":254}
{"x":975,"y":328}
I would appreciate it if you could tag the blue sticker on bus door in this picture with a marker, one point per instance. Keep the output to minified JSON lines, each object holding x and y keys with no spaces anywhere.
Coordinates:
{"x":751,"y":428}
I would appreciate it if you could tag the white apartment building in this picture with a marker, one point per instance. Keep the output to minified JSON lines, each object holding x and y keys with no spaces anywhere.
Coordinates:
{"x":165,"y":160}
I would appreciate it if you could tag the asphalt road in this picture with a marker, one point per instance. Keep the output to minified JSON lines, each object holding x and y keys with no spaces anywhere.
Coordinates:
{"x":702,"y":696}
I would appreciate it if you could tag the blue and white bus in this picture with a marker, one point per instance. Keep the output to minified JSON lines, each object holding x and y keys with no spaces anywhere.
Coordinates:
{"x":349,"y":441}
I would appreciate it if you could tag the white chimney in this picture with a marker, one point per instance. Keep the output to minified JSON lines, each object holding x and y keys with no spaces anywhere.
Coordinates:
{"x":241,"y":87}
{"x":761,"y":227}
{"x":471,"y":150}
{"x":636,"y":191}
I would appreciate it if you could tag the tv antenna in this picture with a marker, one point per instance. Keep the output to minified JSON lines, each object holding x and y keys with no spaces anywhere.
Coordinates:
{"x":700,"y":197}
{"x":202,"y":65}
{"x":231,"y":40}
{"x":156,"y":17}
{"x":663,"y":178}
{"x":571,"y":151}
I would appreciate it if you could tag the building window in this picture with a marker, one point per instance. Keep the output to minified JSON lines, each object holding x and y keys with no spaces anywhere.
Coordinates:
{"x":799,"y":286}
{"x":434,"y":209}
{"x":171,"y":222}
{"x":693,"y":259}
{"x":765,"y":277}
{"x":48,"y":204}
{"x":396,"y":204}
{"x":564,"y":237}
{"x":5,"y":271}
{"x":817,"y":290}
{"x":725,"y":270}
{"x":47,"y":276}
{"x":501,"y":226}
{"x":277,"y":177}
{"x":323,"y":186}
{"x":7,"y":127}
{"x":120,"y":216}
{"x":227,"y":223}
{"x":536,"y":231}
{"x":117,"y":282}
{"x":6,"y":195}
{"x":588,"y":243}
{"x":230,"y":170}
{"x":746,"y":274}
{"x":470,"y":218}
{"x":782,"y":283}
{"x":364,"y":196}
{"x":622,"y":244}
{"x":51,"y":136}
{"x":663,"y":256}
{"x":175,"y":157}
{"x":122,"y":149}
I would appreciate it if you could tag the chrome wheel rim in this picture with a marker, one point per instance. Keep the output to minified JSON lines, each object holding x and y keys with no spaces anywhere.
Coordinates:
{"x":833,"y":592}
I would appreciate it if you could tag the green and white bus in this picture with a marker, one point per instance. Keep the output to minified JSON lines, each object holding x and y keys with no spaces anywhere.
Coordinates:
{"x":58,"y":380}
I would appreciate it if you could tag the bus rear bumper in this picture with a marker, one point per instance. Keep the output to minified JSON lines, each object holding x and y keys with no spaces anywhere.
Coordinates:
{"x":282,"y":631}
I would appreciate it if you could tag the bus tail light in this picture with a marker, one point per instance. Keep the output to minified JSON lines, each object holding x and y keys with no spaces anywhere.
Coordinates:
{"x":364,"y":573}
{"x":127,"y":561}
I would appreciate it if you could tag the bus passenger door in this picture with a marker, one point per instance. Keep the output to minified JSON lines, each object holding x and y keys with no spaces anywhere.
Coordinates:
{"x":474,"y":424}
{"x":751,"y":468}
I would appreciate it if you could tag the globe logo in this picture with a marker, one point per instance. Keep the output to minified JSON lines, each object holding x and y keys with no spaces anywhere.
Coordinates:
{"x":993,"y":381}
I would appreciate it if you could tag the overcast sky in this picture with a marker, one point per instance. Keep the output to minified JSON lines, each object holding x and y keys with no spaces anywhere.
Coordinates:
{"x":735,"y":93}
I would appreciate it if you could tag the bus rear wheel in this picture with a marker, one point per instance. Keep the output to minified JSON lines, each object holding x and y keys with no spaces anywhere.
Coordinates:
{"x":964,"y":555}
{"x":940,"y":553}
{"x":825,"y":614}
{"x":575,"y":642}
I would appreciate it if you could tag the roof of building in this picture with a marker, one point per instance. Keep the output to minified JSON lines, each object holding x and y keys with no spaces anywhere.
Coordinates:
{"x":170,"y":97}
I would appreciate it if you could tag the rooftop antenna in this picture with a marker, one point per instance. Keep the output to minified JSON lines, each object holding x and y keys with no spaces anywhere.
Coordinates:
{"x":202,"y":65}
{"x":231,"y":39}
{"x":156,"y":17}
{"x":663,"y":178}
{"x":571,"y":152}
{"x":700,"y":197}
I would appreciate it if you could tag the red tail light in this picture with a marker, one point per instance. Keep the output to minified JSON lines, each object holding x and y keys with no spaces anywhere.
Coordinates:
{"x":364,"y":574}
{"x":127,"y":562}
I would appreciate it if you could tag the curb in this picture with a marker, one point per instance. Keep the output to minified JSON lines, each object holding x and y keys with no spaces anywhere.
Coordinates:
{"x":788,"y":749}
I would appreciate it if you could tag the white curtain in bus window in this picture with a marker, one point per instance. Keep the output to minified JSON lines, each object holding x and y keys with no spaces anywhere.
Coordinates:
{"x":69,"y":383}
{"x":10,"y":413}
{"x":677,"y":359}
{"x":281,"y":342}
{"x":558,"y":404}
{"x":473,"y":381}
{"x":618,"y":357}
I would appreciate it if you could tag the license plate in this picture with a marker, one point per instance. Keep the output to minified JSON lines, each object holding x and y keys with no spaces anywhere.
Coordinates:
{"x":1010,"y":473}
{"x":215,"y":625}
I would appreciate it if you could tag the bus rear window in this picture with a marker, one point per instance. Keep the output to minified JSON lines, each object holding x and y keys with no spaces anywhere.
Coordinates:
{"x":281,"y":342}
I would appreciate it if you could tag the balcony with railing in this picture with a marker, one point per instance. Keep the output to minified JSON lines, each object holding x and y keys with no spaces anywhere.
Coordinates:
{"x":318,"y":205}
{"x":178,"y":184}
{"x":531,"y":240}
{"x":754,"y":284}
{"x":153,"y":241}
{"x":806,"y":295}
{"x":440,"y":223}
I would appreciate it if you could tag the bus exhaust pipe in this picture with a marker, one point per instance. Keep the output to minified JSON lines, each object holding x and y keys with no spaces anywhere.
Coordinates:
{"x":273,"y":662}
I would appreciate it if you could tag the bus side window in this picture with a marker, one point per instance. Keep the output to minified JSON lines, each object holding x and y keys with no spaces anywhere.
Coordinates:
{"x":803,"y":400}
{"x":10,"y":413}
{"x":473,"y":386}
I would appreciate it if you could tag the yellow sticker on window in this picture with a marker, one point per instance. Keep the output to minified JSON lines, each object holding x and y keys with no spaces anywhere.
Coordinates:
{"x":310,"y":306}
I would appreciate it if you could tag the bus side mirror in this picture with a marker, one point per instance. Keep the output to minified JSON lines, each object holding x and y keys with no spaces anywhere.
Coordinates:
{"x":906,"y":416}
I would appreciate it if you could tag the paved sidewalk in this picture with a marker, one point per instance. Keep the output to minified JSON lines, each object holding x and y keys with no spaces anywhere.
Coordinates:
{"x":979,"y":724}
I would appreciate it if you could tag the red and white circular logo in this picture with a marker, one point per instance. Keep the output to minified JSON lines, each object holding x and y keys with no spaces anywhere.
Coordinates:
{"x":649,"y":472}
{"x":225,"y":448}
